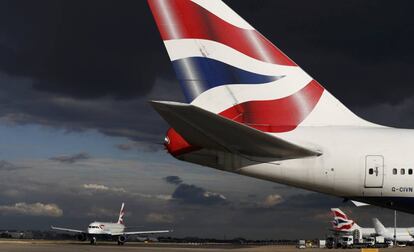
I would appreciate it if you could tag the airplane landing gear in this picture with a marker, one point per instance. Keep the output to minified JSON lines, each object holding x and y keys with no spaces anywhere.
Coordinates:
{"x":93,"y":240}
{"x":121,"y":240}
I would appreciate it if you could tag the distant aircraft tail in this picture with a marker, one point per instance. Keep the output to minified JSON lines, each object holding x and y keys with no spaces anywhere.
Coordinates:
{"x":380,"y":229}
{"x":121,"y":214}
{"x":227,"y":67}
{"x":341,"y":221}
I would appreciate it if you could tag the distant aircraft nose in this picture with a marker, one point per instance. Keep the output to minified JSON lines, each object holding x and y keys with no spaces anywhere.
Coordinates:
{"x":93,"y":229}
{"x":176,"y":145}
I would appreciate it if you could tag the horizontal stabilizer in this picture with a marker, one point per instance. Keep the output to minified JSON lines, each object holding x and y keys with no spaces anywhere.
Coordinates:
{"x":359,"y":204}
{"x":202,"y":128}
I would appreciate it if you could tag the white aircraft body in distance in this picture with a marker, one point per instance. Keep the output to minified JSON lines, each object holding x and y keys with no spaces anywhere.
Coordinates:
{"x":107,"y":229}
{"x":342,"y":224}
{"x":404,"y":235}
{"x":253,"y":111}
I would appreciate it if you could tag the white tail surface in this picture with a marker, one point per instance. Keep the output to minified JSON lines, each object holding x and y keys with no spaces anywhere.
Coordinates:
{"x":379,"y":228}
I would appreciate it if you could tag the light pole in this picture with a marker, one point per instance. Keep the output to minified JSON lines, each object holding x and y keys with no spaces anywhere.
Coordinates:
{"x":395,"y":228}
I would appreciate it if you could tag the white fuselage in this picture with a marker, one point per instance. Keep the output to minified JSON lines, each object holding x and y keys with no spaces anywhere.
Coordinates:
{"x":343,"y":169}
{"x":357,"y":163}
{"x":402,"y":234}
{"x":105,"y":228}
{"x":367,"y":232}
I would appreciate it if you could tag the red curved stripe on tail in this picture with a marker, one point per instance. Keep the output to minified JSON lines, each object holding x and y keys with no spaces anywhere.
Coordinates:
{"x":181,"y":19}
{"x":339,"y":214}
{"x":345,"y":227}
{"x":280,"y":115}
{"x":176,"y":145}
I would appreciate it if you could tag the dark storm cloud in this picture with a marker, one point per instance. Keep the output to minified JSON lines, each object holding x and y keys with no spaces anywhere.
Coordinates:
{"x":314,"y":202}
{"x":349,"y":47}
{"x":399,"y":115}
{"x":175,"y":180}
{"x":82,"y":49}
{"x":194,"y":195}
{"x":83,"y":65}
{"x":70,"y":159}
{"x":131,"y":118}
{"x":191,"y":194}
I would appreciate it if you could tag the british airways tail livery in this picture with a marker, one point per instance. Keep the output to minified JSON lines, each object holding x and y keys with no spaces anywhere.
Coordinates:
{"x":121,"y":215}
{"x":253,"y":111}
{"x":341,"y":223}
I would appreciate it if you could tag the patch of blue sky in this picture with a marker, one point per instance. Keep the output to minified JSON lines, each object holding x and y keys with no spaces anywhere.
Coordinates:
{"x":37,"y":142}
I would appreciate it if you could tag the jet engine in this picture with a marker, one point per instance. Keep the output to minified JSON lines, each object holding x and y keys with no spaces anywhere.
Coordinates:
{"x":122,"y":239}
{"x":81,"y":237}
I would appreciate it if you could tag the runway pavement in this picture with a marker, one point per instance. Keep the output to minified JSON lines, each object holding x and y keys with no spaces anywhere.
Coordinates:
{"x":52,"y":246}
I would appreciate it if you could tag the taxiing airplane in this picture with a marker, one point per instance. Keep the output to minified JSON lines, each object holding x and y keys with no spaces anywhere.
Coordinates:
{"x":402,"y":234}
{"x":107,"y":229}
{"x":253,"y":111}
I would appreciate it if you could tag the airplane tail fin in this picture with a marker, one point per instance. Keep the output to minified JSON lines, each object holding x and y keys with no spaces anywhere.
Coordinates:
{"x":341,"y":221}
{"x":121,"y":214}
{"x":227,"y":67}
{"x":337,"y":213}
{"x":379,"y":228}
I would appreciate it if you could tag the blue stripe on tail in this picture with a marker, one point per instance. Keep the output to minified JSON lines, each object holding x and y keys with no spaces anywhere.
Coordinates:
{"x":198,"y":74}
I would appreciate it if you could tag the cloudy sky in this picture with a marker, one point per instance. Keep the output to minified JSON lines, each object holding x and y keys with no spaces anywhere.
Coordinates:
{"x":77,"y":136}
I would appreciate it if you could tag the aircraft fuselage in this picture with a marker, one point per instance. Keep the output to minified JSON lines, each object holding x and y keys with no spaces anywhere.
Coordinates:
{"x":373,"y":164}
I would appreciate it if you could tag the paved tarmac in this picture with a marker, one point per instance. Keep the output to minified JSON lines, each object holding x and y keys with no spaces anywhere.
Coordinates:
{"x":52,"y":246}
